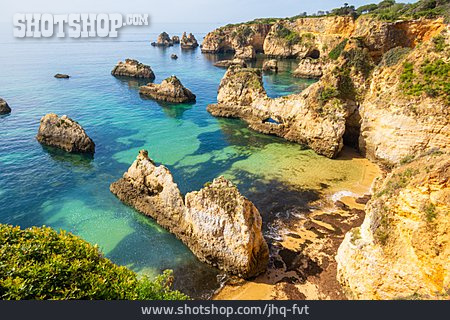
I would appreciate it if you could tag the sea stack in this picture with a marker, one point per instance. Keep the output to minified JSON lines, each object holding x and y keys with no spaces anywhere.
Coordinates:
{"x":163,"y":41}
{"x":133,"y":69}
{"x":270,"y":65}
{"x":188,"y":42}
{"x":170,"y":90}
{"x":4,"y":107}
{"x":64,"y":133}
{"x":175,"y":39}
{"x":217,"y":223}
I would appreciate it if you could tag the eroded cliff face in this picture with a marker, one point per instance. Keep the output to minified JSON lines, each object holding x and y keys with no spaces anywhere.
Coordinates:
{"x":402,"y":249}
{"x":406,"y":110}
{"x":364,"y":97}
{"x":217,"y":223}
{"x":296,"y":118}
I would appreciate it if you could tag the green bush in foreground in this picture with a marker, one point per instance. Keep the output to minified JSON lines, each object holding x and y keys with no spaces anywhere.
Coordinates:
{"x":39,"y":263}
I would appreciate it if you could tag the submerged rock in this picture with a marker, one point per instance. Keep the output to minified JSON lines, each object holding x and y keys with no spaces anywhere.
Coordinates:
{"x":270,"y":65}
{"x":163,"y":41}
{"x":233,"y":62}
{"x":134,"y":69}
{"x":170,"y":90}
{"x":4,"y":107}
{"x":402,"y":249}
{"x":65,"y":134}
{"x":188,"y":42}
{"x":217,"y":223}
{"x":173,"y":56}
{"x":62,"y":76}
{"x":309,"y":68}
{"x":175,"y":39}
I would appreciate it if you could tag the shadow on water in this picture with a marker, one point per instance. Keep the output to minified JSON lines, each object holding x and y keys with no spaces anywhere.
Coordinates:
{"x":72,"y":159}
{"x":133,"y":83}
{"x":173,"y":110}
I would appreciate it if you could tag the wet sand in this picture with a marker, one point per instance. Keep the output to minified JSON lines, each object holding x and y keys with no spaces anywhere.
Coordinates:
{"x":303,"y":243}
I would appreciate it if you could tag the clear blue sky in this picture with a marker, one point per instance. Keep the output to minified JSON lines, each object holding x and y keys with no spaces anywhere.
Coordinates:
{"x":181,"y":11}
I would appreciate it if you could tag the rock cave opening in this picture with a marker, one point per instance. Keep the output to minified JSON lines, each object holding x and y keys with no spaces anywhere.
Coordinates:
{"x":313,"y":54}
{"x":271,"y":120}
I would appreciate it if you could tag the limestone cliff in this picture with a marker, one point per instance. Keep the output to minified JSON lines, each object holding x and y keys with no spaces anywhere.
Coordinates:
{"x":297,"y":117}
{"x":374,"y":86}
{"x":402,"y":249}
{"x":217,"y":223}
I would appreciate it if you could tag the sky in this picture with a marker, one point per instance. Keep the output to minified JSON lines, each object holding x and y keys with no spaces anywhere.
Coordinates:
{"x":177,"y":11}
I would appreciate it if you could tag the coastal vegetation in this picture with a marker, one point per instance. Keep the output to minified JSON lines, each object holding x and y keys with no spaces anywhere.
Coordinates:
{"x":40,"y":263}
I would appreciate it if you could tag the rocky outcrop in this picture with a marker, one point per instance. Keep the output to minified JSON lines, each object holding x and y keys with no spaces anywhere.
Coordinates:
{"x":296,"y":118}
{"x":309,"y":68}
{"x":233,"y":38}
{"x":4,"y":107}
{"x":64,"y":133}
{"x":170,"y":90}
{"x":62,"y":76}
{"x":188,"y":41}
{"x":163,"y":41}
{"x":175,"y":39}
{"x":245,"y":53}
{"x":174,"y":56}
{"x":402,"y":249}
{"x":233,"y":62}
{"x":134,"y":69}
{"x":217,"y":223}
{"x":270,"y":65}
{"x":397,"y":122}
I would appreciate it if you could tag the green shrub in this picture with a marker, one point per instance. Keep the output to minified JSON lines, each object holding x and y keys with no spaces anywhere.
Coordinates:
{"x":430,"y":211}
{"x":39,"y":263}
{"x":393,"y":56}
{"x":335,"y":53}
{"x":327,"y":94}
{"x":439,"y":43}
{"x":290,"y":37}
{"x":432,"y":78}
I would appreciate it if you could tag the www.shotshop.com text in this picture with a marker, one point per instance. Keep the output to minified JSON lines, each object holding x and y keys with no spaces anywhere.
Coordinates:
{"x":268,"y":310}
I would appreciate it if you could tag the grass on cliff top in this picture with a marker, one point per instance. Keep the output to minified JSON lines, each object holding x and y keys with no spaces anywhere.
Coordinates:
{"x":431,"y":78}
{"x":41,"y":264}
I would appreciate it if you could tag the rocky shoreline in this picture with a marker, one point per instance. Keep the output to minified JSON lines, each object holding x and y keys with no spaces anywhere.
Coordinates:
{"x":217,"y":223}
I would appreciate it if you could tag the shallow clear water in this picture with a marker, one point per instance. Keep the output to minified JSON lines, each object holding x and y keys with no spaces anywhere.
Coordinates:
{"x":45,"y":186}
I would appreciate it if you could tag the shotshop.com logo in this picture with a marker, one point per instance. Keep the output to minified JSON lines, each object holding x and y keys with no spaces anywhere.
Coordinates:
{"x":75,"y":25}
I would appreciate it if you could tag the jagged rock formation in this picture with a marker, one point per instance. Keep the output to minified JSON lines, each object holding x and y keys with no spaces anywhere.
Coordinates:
{"x":402,"y":249}
{"x":297,"y":117}
{"x":233,"y":62}
{"x":64,"y":133}
{"x":163,"y":41}
{"x":309,"y":68}
{"x":175,"y":39}
{"x":270,"y":65}
{"x":245,"y":53}
{"x":134,"y":69}
{"x":234,"y":37}
{"x":173,"y":56}
{"x":359,"y":100}
{"x":188,"y":42}
{"x":62,"y":76}
{"x":170,"y":90}
{"x":4,"y":107}
{"x":217,"y":223}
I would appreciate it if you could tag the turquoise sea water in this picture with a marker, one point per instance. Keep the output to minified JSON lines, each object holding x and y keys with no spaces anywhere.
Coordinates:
{"x":45,"y":186}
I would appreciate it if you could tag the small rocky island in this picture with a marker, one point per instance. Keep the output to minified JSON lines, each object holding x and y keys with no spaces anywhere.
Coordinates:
{"x":270,"y":65}
{"x":133,"y":69}
{"x":163,"y":40}
{"x":188,"y":41}
{"x":64,"y":133}
{"x":217,"y":223}
{"x":176,"y":40}
{"x":170,"y":90}
{"x":62,"y":76}
{"x":232,"y":62}
{"x":4,"y":107}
